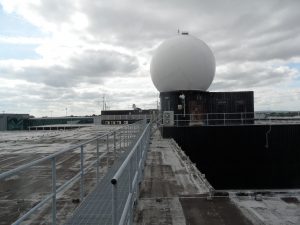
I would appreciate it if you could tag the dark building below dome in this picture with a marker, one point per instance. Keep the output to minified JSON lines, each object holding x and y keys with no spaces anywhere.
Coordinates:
{"x":210,"y":108}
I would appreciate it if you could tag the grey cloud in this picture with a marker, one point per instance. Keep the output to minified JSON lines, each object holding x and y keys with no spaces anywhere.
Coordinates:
{"x":284,"y":48}
{"x":245,"y":36}
{"x":142,"y":98}
{"x":93,"y":63}
{"x":252,"y":75}
{"x":54,"y":11}
{"x":90,"y":67}
{"x":244,"y":27}
{"x":128,"y":26}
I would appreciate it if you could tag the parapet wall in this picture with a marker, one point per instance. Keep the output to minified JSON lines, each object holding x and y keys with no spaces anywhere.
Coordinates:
{"x":243,"y":157}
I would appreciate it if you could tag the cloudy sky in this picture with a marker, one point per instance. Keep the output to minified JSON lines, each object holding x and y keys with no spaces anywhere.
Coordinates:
{"x":58,"y":54}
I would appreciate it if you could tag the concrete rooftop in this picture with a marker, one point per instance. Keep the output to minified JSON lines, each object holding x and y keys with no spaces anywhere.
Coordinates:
{"x":175,"y":192}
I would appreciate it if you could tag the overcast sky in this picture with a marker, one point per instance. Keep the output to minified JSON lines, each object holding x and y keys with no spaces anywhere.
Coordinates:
{"x":58,"y":54}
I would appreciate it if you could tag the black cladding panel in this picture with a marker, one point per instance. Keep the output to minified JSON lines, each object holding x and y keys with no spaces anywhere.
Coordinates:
{"x":208,"y":102}
{"x":129,"y":112}
{"x":242,"y":156}
{"x":238,"y":106}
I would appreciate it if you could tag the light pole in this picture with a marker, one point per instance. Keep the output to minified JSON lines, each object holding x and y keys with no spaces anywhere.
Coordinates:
{"x":66,"y":112}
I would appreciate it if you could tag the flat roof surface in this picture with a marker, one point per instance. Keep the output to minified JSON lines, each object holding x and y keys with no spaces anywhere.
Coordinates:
{"x":175,"y":192}
{"x":21,"y":192}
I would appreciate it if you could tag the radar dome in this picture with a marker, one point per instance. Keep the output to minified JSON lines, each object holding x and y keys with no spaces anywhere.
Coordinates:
{"x":182,"y":63}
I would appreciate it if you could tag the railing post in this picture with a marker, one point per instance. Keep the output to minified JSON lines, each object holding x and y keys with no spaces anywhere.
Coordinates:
{"x":127,"y":135}
{"x":107,"y":144}
{"x":137,"y":157}
{"x":129,"y":177}
{"x":97,"y":170}
{"x":107,"y":149}
{"x":115,"y":204}
{"x":121,"y":138}
{"x":224,"y":118}
{"x":81,"y":174}
{"x":137,"y":169}
{"x":115,"y":143}
{"x":124,"y":138}
{"x":143,"y":142}
{"x":140,"y":160}
{"x":142,"y":150}
{"x":130,"y":204}
{"x":53,"y":162}
{"x":131,"y":132}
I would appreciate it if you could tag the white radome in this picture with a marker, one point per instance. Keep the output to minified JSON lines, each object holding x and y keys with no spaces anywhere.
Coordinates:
{"x":182,"y":63}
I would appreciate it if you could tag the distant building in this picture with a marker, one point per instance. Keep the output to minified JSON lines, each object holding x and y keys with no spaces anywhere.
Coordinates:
{"x":9,"y":122}
{"x":33,"y":122}
{"x":116,"y":117}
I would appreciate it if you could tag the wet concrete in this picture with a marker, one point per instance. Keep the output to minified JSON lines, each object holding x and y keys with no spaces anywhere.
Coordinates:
{"x":173,"y":191}
{"x":167,"y":175}
{"x":216,"y":211}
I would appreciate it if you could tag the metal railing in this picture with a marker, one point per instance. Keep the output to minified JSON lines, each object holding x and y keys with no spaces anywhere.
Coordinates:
{"x":117,"y":139}
{"x":217,"y":119}
{"x":113,"y":199}
{"x":125,"y":182}
{"x":126,"y":117}
{"x":213,"y":119}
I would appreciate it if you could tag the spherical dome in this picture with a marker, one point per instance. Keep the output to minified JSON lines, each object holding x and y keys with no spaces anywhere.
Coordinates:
{"x":182,"y":63}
